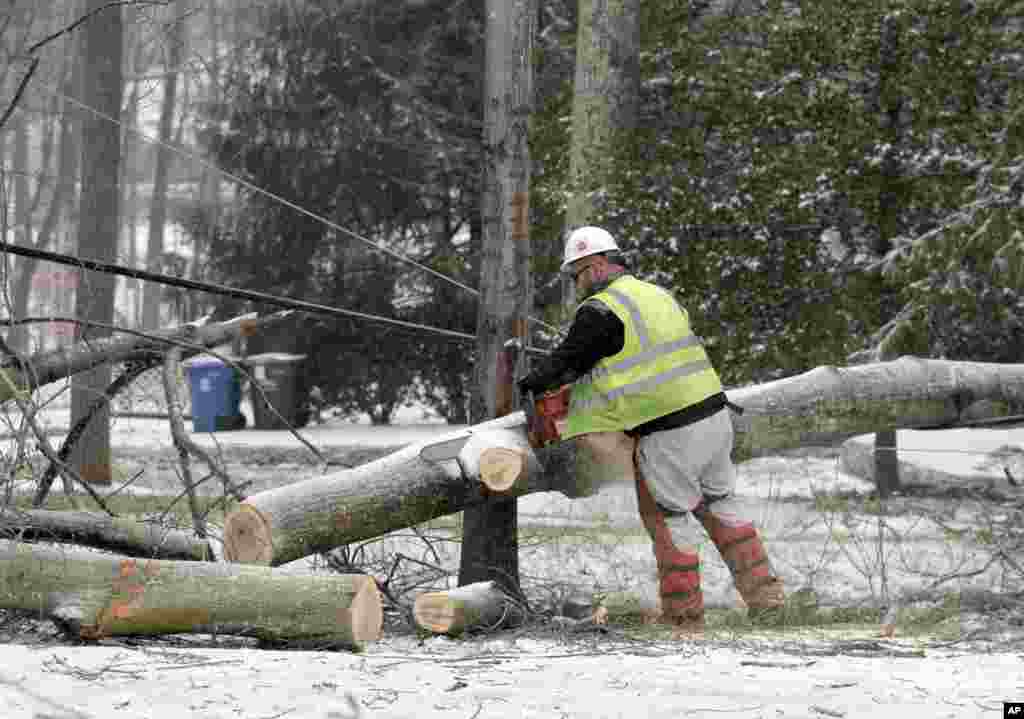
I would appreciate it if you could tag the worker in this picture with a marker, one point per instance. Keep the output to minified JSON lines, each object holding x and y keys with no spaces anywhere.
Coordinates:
{"x":646,"y":400}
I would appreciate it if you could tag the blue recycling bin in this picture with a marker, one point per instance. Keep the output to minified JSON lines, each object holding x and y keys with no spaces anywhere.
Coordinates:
{"x":216,"y":393}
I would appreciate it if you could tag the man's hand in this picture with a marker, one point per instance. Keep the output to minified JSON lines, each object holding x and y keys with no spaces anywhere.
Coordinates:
{"x":526,"y":385}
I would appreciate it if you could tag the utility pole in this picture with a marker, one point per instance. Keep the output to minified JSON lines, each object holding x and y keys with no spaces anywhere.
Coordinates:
{"x":490,"y":548}
{"x":98,"y":225}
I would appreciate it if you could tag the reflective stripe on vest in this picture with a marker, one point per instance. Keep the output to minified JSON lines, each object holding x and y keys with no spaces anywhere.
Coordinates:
{"x":647,"y":352}
{"x":660,"y":369}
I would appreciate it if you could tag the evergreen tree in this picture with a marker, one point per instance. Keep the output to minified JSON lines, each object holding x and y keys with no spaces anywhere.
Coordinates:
{"x":769,"y":126}
{"x":365,"y":115}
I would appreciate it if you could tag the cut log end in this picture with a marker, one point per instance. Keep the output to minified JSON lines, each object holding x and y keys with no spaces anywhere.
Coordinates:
{"x":501,"y":467}
{"x":365,"y":615}
{"x":247,"y":537}
{"x":437,"y":612}
{"x":481,"y":605}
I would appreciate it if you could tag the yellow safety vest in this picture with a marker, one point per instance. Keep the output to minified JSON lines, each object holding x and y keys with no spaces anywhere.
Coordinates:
{"x":662,"y":367}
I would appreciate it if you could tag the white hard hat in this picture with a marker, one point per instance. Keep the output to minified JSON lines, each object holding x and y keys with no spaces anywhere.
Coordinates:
{"x":586,"y":241}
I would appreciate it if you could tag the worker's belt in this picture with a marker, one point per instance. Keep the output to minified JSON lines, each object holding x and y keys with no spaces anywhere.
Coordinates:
{"x":687,"y":415}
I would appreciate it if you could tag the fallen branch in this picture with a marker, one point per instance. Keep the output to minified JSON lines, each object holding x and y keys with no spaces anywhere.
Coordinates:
{"x":181,"y":441}
{"x":96,"y":596}
{"x":115,"y":534}
{"x":44,"y":367}
{"x":28,"y":414}
{"x":123,"y":380}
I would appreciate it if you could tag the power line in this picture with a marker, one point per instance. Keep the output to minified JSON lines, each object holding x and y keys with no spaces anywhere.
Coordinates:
{"x":275,"y":197}
{"x":213,"y":288}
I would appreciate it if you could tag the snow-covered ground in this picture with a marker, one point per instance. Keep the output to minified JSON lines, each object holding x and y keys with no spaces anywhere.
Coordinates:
{"x":562,"y":675}
{"x":504,"y":678}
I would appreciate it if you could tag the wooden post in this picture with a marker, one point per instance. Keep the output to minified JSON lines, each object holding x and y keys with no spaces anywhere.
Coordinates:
{"x":98,"y":225}
{"x":490,"y":549}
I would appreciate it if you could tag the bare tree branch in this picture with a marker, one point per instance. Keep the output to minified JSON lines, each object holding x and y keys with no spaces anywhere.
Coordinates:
{"x":70,"y":28}
{"x":181,"y":442}
{"x":20,"y":91}
{"x":122,"y":381}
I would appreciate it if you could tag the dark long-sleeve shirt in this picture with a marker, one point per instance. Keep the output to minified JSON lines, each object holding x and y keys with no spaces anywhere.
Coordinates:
{"x":597,"y":333}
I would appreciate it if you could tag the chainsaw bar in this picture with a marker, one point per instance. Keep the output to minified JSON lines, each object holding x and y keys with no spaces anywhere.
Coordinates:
{"x":448,"y":449}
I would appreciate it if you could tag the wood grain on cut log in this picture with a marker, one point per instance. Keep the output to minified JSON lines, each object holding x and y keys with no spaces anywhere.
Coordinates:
{"x":499,"y":458}
{"x":471,"y":607}
{"x":99,"y":595}
{"x":115,"y":534}
{"x":821,"y":407}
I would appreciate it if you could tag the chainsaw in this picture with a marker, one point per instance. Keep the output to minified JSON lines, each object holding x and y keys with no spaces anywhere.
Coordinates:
{"x":546,"y":414}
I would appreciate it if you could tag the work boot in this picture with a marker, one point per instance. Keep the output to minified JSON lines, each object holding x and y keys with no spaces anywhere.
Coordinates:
{"x":743,"y":552}
{"x":682,"y":601}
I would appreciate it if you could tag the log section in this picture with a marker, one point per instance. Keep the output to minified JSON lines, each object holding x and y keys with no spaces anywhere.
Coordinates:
{"x":97,"y":595}
{"x":471,"y":607}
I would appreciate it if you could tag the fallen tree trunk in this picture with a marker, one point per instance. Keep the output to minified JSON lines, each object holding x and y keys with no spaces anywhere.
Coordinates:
{"x":408,"y":487}
{"x":822,"y":407}
{"x":476,"y":606}
{"x":98,"y":596}
{"x":45,"y":367}
{"x":115,"y":534}
{"x":828,"y":405}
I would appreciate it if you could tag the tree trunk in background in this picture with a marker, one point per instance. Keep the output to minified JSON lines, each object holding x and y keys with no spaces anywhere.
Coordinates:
{"x":130,"y":208}
{"x":158,"y":203}
{"x":490,"y":550}
{"x":98,"y":223}
{"x":22,"y":229}
{"x":209,"y":189}
{"x":58,"y":282}
{"x":606,"y":93}
{"x":887,"y":467}
{"x":135,"y":62}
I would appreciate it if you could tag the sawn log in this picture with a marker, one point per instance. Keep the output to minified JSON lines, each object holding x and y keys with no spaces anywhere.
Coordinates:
{"x":97,"y":595}
{"x":420,"y":482}
{"x":476,"y":606}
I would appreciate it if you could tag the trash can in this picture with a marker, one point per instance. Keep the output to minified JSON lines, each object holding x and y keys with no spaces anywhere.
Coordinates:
{"x":279,"y":376}
{"x":216,"y":393}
